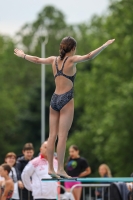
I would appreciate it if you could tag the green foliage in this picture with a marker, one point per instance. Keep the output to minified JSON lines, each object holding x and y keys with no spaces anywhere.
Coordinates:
{"x":105,"y":94}
{"x":102,"y":127}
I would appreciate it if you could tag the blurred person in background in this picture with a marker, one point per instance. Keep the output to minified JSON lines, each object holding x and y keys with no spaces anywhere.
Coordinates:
{"x":35,"y":171}
{"x":7,"y":185}
{"x":1,"y":179}
{"x":76,"y":166}
{"x":104,"y":172}
{"x":28,"y":153}
{"x":120,"y":191}
{"x":10,"y":159}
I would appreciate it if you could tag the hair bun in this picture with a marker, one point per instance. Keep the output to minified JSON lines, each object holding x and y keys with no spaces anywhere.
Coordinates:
{"x":62,"y":54}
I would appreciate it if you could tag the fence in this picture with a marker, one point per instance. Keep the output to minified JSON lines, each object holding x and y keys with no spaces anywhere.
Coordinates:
{"x":110,"y":188}
{"x":93,"y":189}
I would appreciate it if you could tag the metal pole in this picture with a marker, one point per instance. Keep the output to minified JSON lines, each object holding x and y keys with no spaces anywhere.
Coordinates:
{"x":42,"y":94}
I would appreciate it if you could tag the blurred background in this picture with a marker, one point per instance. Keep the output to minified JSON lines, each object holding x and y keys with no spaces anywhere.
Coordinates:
{"x":103,"y":122}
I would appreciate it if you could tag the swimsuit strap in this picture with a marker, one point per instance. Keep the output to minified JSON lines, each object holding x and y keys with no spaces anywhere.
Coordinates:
{"x":56,"y":64}
{"x":64,"y":64}
{"x":60,"y":72}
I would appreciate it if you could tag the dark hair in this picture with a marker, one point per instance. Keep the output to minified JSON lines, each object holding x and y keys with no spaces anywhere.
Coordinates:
{"x":66,"y":46}
{"x":6,"y":167}
{"x":28,"y":146}
{"x":9,"y":155}
{"x":74,"y":147}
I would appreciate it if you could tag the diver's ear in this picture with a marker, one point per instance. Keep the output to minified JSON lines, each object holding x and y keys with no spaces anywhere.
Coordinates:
{"x":73,"y":49}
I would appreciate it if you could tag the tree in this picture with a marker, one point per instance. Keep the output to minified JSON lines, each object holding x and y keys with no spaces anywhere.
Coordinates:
{"x":106,"y":120}
{"x":102,"y":126}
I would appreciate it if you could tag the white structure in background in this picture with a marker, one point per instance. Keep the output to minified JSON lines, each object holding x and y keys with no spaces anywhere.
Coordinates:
{"x":42,"y":35}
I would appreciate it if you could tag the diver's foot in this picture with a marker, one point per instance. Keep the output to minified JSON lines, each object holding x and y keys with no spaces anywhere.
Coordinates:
{"x":54,"y":175}
{"x":63,"y":174}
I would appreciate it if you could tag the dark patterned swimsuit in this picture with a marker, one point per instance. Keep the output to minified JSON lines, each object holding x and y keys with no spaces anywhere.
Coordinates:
{"x":9,"y":195}
{"x":58,"y":101}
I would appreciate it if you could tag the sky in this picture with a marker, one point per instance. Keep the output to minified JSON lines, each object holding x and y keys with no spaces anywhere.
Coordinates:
{"x":15,"y":13}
